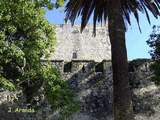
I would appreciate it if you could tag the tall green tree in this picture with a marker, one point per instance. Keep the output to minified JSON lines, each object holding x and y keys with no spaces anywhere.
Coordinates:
{"x":116,"y":12}
{"x":25,"y":38}
{"x":154,"y":43}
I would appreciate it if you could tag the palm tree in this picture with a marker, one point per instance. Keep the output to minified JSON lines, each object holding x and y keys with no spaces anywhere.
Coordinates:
{"x":116,"y":12}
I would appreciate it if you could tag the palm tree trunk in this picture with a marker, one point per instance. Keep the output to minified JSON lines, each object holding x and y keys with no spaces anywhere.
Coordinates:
{"x":122,"y":102}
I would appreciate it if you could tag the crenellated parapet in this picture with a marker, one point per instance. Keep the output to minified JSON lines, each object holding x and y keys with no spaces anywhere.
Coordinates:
{"x":82,"y":66}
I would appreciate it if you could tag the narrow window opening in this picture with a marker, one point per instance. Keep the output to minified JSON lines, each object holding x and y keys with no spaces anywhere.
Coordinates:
{"x":74,"y":55}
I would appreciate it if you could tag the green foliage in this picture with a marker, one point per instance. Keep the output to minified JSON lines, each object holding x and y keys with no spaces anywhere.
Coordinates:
{"x":59,"y":3}
{"x":26,"y":37}
{"x":154,"y":43}
{"x":50,"y":4}
{"x":4,"y":83}
{"x":59,"y":94}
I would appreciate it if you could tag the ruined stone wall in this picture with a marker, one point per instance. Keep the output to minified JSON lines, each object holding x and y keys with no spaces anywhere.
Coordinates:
{"x":92,"y":82}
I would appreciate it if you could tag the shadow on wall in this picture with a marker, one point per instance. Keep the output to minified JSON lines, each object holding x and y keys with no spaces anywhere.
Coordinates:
{"x":93,"y":84}
{"x":90,"y":81}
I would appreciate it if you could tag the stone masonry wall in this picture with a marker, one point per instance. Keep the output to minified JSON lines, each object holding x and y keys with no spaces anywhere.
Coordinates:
{"x":71,"y":44}
{"x":92,"y":82}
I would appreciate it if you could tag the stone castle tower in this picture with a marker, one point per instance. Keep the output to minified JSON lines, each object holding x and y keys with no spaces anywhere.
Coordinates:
{"x":72,"y":45}
{"x":84,"y":61}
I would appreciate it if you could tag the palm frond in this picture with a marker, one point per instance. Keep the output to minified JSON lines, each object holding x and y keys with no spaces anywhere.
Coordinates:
{"x":99,"y":9}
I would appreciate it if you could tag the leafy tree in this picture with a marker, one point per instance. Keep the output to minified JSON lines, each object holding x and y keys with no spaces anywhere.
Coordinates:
{"x":25,"y":38}
{"x":116,"y":12}
{"x":154,"y":43}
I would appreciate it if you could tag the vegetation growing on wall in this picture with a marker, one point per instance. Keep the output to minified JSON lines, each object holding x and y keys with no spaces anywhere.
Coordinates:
{"x":26,"y":37}
{"x":154,"y":43}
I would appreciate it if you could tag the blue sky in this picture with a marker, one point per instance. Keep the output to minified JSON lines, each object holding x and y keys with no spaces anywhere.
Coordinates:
{"x":135,"y":41}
